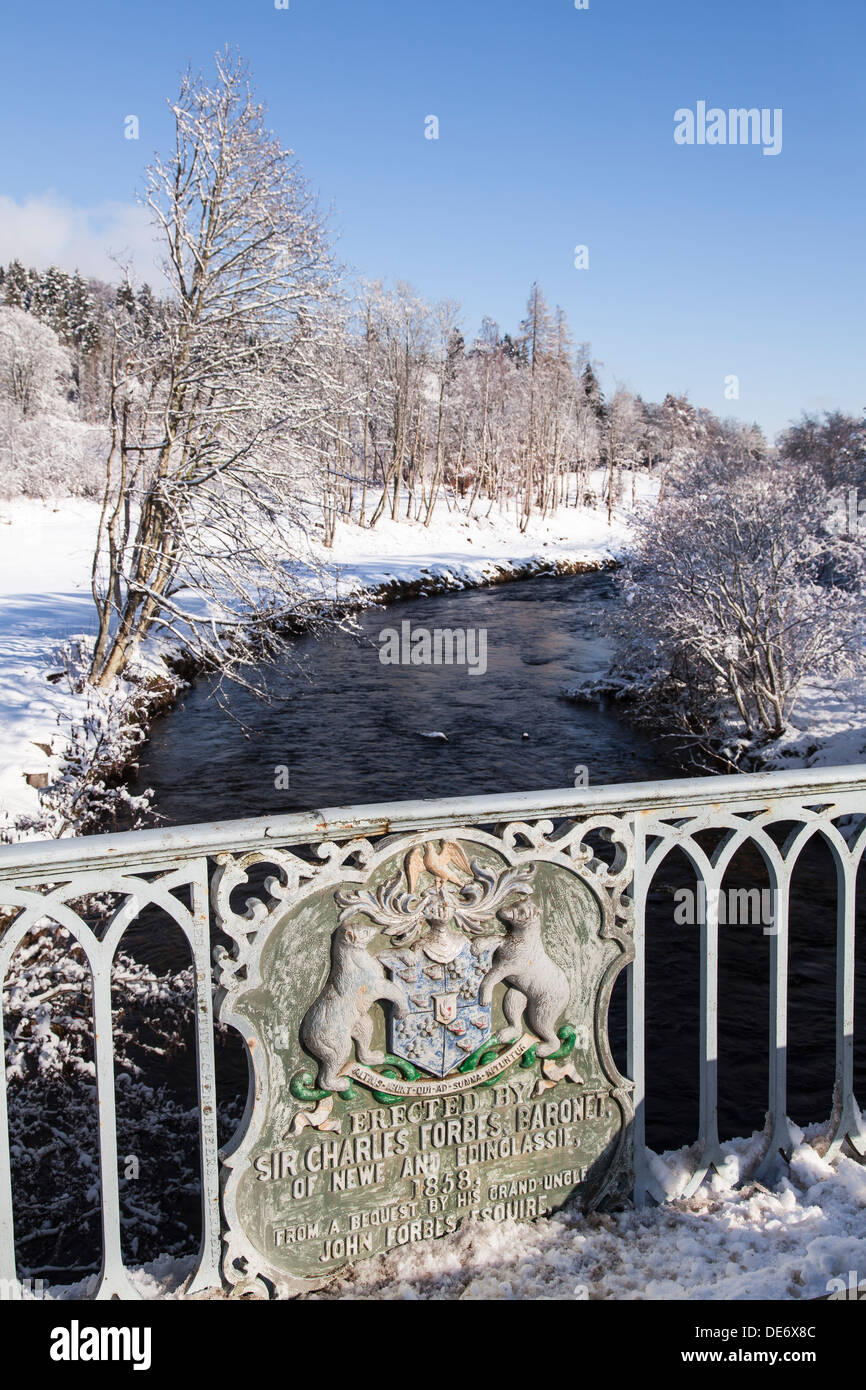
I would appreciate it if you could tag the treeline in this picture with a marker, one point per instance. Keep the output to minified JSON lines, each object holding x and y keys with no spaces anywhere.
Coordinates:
{"x":833,"y":445}
{"x":406,"y":409}
{"x":508,"y":419}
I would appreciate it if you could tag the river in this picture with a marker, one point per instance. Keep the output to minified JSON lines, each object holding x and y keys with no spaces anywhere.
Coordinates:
{"x":350,"y":729}
{"x":343,"y":728}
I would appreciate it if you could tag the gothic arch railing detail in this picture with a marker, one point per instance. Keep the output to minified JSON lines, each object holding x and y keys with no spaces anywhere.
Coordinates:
{"x":241,"y":878}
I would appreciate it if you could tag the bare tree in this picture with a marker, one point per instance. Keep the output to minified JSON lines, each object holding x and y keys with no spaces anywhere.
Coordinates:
{"x":211,"y":405}
{"x":402,"y":332}
{"x":623,"y":423}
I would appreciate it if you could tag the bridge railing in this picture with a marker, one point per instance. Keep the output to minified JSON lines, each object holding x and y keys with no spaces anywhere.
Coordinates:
{"x":191,"y":872}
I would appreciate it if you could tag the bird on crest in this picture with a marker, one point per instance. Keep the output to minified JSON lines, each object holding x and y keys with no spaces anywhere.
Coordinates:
{"x":440,"y":863}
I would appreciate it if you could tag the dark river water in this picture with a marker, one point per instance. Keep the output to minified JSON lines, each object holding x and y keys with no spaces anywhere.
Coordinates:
{"x":348,"y":729}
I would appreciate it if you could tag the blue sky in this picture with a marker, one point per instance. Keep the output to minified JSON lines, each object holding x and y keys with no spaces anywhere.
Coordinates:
{"x":556,"y":129}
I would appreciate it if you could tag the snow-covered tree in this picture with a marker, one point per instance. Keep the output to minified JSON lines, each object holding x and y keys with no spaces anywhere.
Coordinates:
{"x":45,"y":449}
{"x":834,"y":445}
{"x":16,"y":286}
{"x":726,"y":606}
{"x":402,"y":330}
{"x":35,"y":371}
{"x":208,"y":416}
{"x":623,"y":434}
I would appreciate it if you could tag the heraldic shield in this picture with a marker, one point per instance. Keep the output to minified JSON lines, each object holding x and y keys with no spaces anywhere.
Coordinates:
{"x":445,"y":1023}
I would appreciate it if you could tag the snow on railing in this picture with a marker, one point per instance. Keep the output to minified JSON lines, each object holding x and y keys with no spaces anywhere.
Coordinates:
{"x":185,"y":870}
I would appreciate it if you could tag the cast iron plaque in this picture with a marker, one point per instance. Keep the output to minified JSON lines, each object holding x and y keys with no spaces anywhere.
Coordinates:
{"x":427,"y":1026}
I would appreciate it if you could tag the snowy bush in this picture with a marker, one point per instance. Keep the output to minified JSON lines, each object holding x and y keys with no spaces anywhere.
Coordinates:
{"x":49,"y":455}
{"x":734,"y":594}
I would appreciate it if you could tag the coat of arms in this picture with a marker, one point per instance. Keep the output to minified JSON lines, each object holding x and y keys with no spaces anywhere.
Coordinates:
{"x":444,"y":918}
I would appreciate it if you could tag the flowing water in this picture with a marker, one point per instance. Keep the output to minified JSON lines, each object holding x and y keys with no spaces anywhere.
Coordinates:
{"x":350,"y":729}
{"x":344,"y":729}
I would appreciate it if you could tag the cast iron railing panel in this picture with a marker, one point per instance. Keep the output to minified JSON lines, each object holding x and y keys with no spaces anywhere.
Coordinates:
{"x":193,"y":874}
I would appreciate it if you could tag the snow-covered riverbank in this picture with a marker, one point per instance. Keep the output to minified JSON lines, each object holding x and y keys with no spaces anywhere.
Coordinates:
{"x":45,"y":601}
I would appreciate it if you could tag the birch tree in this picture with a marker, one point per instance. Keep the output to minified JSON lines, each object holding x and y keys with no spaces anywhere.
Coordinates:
{"x":211,"y":406}
{"x":402,"y":329}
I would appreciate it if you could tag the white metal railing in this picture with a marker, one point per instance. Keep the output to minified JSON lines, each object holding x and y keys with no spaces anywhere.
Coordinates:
{"x":41,"y":881}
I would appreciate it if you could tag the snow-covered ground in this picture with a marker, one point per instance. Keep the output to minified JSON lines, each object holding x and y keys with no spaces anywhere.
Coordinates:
{"x":46,"y":550}
{"x":828,"y":728}
{"x":471,"y":550}
{"x":725,"y":1243}
{"x":45,"y":557}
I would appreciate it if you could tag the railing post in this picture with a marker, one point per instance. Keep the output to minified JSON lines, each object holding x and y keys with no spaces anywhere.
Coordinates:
{"x":780,"y":1140}
{"x":636,"y":1016}
{"x":9,"y":1287}
{"x":646,"y":1186}
{"x":207,"y":1273}
{"x":709,"y":1148}
{"x":113,"y":1280}
{"x":709,"y":1016}
{"x":846,"y":1122}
